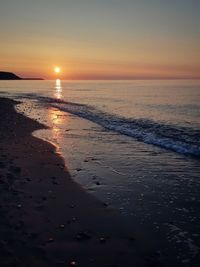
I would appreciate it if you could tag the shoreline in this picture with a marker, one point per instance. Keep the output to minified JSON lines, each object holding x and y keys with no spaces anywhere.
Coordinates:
{"x":48,"y":219}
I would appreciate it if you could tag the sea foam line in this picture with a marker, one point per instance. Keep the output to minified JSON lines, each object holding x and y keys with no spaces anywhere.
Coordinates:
{"x":182,"y":140}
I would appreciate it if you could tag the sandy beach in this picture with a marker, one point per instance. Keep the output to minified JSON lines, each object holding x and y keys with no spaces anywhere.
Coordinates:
{"x":46,"y":218}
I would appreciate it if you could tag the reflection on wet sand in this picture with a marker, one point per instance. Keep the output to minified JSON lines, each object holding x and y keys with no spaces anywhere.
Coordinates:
{"x":58,"y":89}
{"x":57,"y":119}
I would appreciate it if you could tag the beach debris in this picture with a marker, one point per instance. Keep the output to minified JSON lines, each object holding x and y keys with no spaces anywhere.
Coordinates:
{"x":78,"y":169}
{"x":94,"y":159}
{"x":83,"y":236}
{"x":97,"y":183}
{"x":73,"y":263}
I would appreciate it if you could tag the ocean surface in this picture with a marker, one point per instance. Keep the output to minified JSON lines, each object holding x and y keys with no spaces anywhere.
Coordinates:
{"x":135,"y":145}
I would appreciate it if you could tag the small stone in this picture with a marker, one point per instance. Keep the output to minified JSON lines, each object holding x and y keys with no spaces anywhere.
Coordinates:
{"x":51,"y":239}
{"x":74,"y":219}
{"x":19,"y":206}
{"x":73,"y":263}
{"x":97,"y":183}
{"x":62,"y":226}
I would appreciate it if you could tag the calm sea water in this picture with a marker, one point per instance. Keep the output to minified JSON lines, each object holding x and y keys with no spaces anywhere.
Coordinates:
{"x":133,"y":144}
{"x":163,"y":113}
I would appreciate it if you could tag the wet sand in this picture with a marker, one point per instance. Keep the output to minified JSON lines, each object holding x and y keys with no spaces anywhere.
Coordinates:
{"x":46,"y":219}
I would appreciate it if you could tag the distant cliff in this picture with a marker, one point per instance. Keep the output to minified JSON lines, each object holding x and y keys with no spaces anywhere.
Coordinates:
{"x":11,"y":76}
{"x":8,"y":76}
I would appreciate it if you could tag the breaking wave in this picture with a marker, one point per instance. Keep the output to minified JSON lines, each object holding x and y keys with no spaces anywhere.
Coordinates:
{"x":183,"y":140}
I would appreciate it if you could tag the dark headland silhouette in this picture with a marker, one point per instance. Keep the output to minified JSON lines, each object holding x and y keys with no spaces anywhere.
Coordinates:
{"x":11,"y":76}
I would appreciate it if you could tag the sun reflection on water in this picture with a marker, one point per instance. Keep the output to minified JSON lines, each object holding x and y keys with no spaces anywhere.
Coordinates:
{"x":56,"y":118}
{"x":58,"y":87}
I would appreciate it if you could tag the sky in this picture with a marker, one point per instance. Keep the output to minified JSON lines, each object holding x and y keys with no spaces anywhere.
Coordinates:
{"x":101,"y":39}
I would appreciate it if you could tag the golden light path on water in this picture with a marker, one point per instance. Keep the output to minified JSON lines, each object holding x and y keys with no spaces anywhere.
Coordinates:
{"x":56,"y":118}
{"x":58,"y":89}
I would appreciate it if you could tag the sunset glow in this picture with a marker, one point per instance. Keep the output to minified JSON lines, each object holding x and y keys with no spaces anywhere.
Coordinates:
{"x":57,"y":70}
{"x":133,"y":40}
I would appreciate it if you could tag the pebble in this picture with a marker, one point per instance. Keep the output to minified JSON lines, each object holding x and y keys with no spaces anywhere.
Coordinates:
{"x":73,"y":263}
{"x":51,"y":239}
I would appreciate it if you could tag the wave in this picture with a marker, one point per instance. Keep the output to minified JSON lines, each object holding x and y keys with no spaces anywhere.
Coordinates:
{"x":183,"y":140}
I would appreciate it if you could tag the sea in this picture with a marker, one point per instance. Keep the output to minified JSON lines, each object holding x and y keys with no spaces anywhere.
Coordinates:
{"x":134,"y":145}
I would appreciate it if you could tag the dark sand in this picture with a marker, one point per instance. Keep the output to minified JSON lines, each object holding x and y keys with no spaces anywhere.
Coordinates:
{"x":46,"y":219}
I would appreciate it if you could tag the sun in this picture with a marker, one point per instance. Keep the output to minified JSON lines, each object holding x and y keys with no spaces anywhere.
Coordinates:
{"x":57,"y":69}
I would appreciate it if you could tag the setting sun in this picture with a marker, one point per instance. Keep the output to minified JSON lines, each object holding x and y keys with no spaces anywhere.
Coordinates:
{"x":57,"y":69}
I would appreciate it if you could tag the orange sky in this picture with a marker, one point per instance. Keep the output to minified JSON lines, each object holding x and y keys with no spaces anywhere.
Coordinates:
{"x":107,"y":40}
